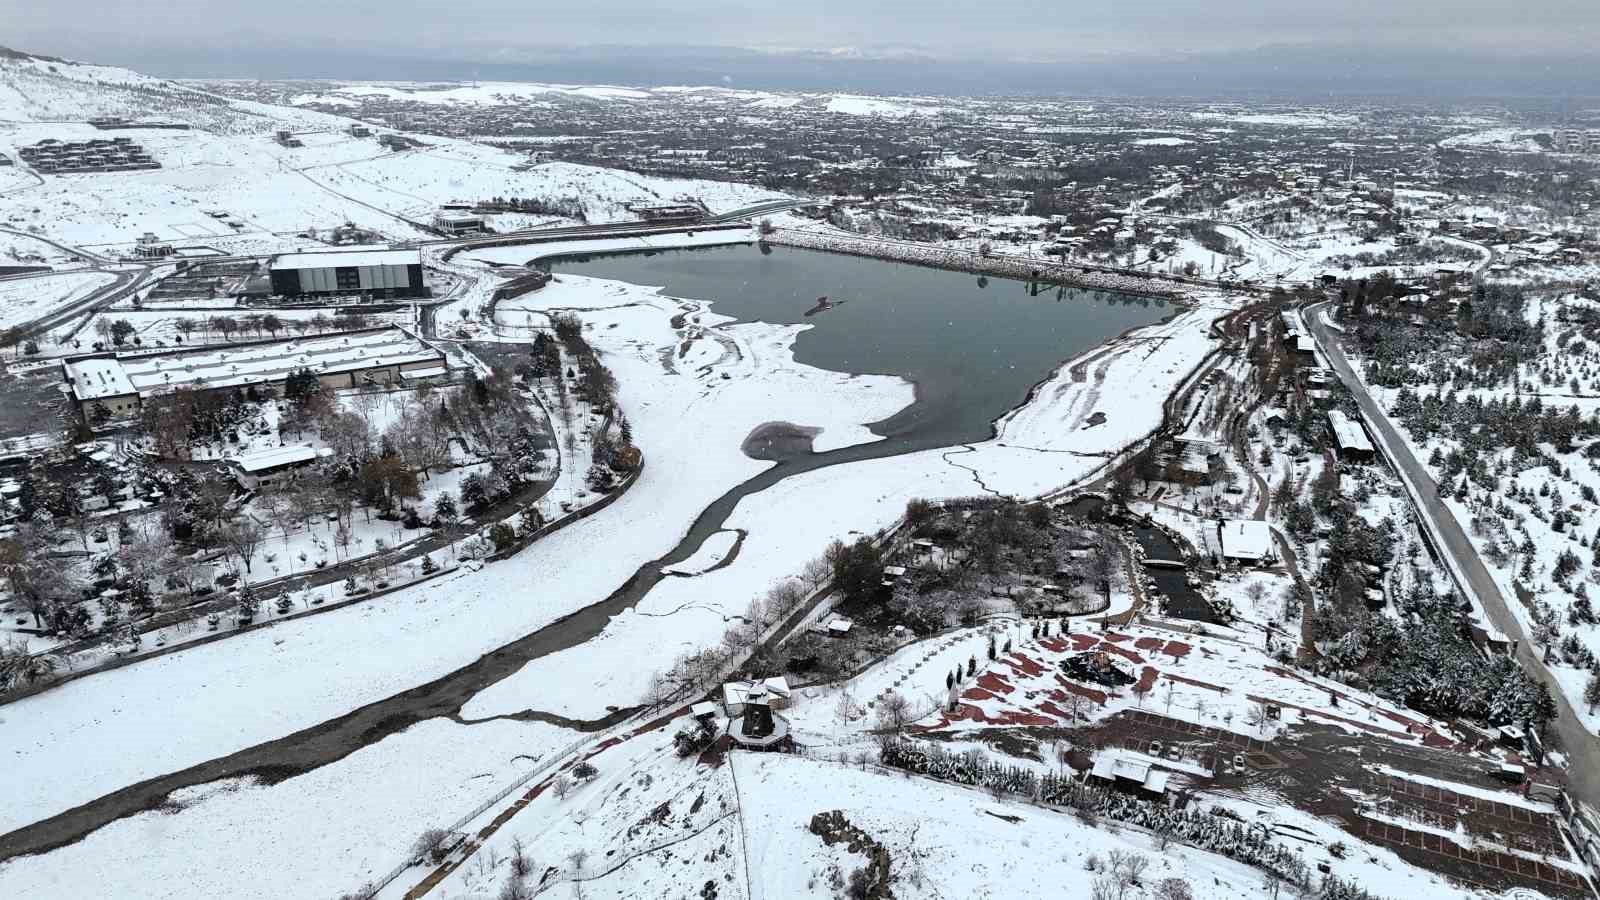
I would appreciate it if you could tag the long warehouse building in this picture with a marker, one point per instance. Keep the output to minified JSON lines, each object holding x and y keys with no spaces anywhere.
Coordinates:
{"x":343,"y":359}
{"x":376,"y":273}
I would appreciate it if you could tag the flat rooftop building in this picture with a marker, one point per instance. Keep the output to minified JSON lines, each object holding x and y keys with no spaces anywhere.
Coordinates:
{"x":389,"y":355}
{"x":455,"y":224}
{"x":1246,"y":541}
{"x":378,"y":273}
{"x":1349,"y":437}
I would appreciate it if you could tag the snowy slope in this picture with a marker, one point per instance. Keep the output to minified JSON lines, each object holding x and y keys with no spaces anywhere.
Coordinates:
{"x":42,"y":89}
{"x":229,"y":161}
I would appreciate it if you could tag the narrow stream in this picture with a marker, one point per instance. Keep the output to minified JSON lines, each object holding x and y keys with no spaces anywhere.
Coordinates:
{"x":1181,"y":601}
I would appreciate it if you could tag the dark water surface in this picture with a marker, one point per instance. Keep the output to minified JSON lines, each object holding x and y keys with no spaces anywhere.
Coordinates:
{"x":973,"y":347}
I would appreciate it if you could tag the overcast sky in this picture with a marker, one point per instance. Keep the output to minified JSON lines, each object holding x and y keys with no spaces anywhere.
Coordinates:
{"x":504,"y":29}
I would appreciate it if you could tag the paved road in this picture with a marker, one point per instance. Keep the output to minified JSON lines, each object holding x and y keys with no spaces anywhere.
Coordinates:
{"x":127,"y":281}
{"x":64,"y":248}
{"x":1581,"y":747}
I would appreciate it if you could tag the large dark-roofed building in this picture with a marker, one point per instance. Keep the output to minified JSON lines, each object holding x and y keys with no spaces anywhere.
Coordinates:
{"x":374,"y":273}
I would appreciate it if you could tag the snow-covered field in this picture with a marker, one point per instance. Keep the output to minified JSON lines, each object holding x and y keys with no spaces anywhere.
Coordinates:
{"x":27,"y":298}
{"x":230,"y":162}
{"x":437,"y":628}
{"x":691,"y":422}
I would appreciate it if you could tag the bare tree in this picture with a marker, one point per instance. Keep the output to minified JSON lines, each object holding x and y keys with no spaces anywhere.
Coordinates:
{"x":418,"y":442}
{"x":521,"y":865}
{"x":243,"y":537}
{"x":515,"y":888}
{"x":32,"y":572}
{"x":1258,"y":715}
{"x":428,"y":846}
{"x":167,"y":419}
{"x":279,"y":507}
{"x":348,"y":434}
{"x":148,"y":555}
{"x":893,"y":712}
{"x":1129,"y":866}
{"x":816,"y":573}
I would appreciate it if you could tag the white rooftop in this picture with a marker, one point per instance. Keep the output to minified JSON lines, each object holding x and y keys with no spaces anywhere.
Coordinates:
{"x":1110,"y":767}
{"x":737,"y":692}
{"x":92,"y":379}
{"x":328,"y":259}
{"x":1348,"y":434}
{"x":1246,"y":539}
{"x":272,"y":457}
{"x":237,"y":365}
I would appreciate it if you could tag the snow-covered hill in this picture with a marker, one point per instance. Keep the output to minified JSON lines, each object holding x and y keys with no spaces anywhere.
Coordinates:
{"x":228,"y":161}
{"x":47,"y":89}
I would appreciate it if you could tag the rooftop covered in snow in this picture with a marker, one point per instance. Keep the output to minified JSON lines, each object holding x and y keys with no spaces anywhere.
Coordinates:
{"x":336,"y":259}
{"x":237,"y":365}
{"x":1348,"y":434}
{"x":1246,"y":540}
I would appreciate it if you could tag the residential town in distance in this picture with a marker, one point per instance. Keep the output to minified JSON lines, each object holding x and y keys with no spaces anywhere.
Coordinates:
{"x":504,"y":489}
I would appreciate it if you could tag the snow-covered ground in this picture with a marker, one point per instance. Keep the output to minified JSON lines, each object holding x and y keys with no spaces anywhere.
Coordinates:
{"x":229,"y":161}
{"x":431,"y":630}
{"x":855,"y":105}
{"x":27,"y":298}
{"x":314,"y":835}
{"x":1502,"y":539}
{"x":690,"y":422}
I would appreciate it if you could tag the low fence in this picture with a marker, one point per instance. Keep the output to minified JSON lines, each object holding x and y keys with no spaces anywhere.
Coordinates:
{"x":543,"y":767}
{"x":119,"y":662}
{"x":576,"y":515}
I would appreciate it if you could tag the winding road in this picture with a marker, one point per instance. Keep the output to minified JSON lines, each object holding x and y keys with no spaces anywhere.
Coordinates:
{"x":1466,"y":567}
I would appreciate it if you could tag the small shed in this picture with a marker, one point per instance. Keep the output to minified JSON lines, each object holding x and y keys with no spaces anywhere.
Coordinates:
{"x":838,"y":626}
{"x":1129,"y":775}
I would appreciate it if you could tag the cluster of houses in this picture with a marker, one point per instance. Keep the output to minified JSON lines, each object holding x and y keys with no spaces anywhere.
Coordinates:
{"x":750,"y":708}
{"x":118,"y":154}
{"x":1576,"y":140}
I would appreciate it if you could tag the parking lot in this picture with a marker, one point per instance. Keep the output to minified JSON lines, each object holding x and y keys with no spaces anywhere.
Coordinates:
{"x":1324,"y":771}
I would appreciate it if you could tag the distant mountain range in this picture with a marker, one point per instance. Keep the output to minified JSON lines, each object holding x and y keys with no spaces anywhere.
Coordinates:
{"x":1299,"y":72}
